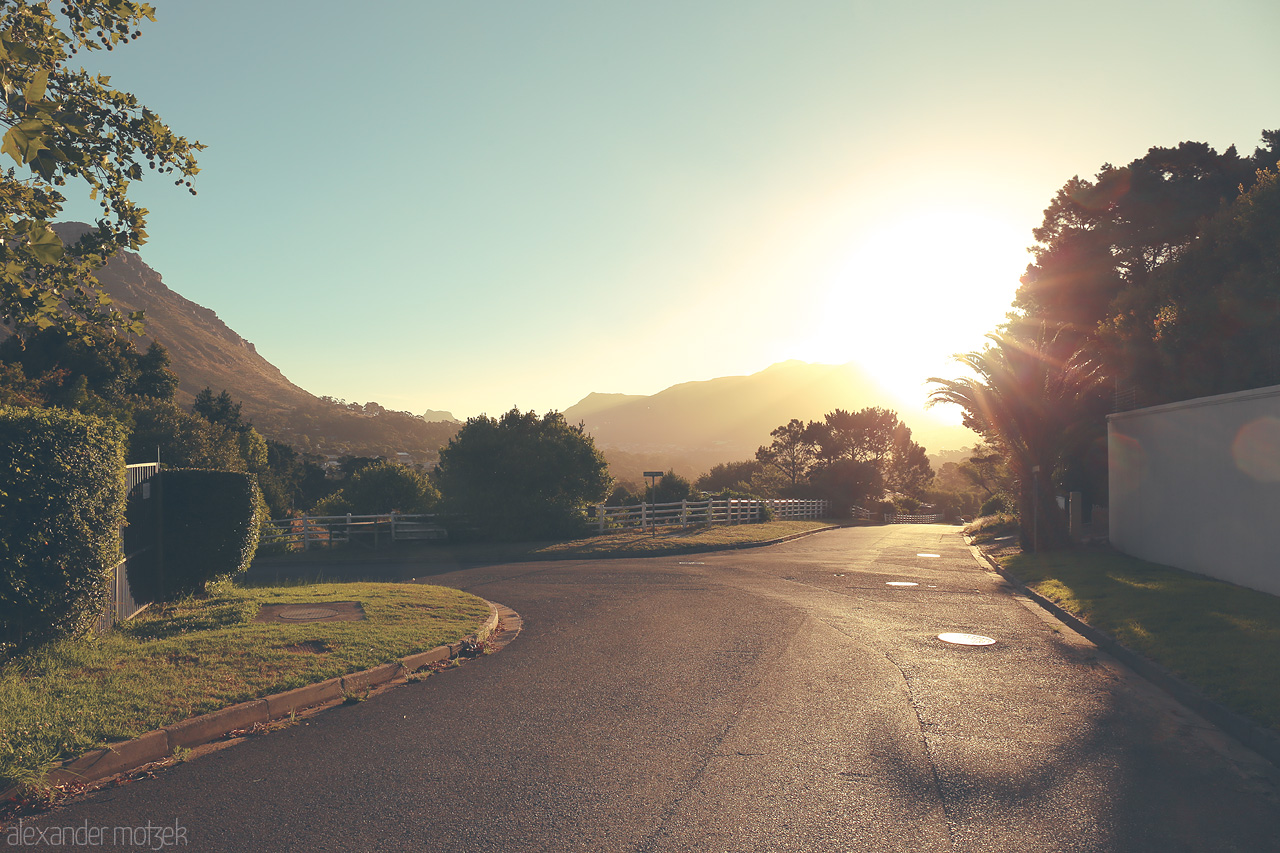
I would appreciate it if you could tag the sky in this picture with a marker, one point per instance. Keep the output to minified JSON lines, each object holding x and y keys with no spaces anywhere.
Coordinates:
{"x":469,"y":205}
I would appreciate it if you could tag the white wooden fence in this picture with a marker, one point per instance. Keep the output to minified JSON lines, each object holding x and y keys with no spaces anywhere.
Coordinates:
{"x":935,"y":518}
{"x":322,"y":531}
{"x":713,"y":511}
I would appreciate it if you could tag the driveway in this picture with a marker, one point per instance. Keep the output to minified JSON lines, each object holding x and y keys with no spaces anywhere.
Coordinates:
{"x":784,"y":699}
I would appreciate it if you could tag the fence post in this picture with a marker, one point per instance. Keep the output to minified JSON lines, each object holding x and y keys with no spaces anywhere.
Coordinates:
{"x":643,"y":516}
{"x":306,"y":532}
{"x":393,"y":525}
{"x":684,"y":512}
{"x":600,"y":517}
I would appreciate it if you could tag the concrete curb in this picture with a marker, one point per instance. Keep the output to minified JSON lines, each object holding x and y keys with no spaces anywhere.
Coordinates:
{"x":690,"y":549}
{"x":197,"y":731}
{"x":1262,"y":741}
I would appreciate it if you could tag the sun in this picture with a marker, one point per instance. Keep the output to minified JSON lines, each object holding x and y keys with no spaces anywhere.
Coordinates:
{"x":911,"y":291}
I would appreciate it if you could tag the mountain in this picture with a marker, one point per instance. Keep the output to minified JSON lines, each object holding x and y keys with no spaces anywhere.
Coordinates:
{"x":206,"y":352}
{"x":695,"y":425}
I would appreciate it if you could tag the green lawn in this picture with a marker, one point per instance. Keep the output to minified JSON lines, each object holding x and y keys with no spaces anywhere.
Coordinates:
{"x":204,"y":654}
{"x":672,"y":540}
{"x":1224,"y":639}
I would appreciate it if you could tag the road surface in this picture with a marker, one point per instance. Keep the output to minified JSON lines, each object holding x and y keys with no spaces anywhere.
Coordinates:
{"x":777,"y":699}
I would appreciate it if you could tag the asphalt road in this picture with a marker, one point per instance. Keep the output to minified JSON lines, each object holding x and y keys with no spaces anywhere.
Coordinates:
{"x":781,"y":699}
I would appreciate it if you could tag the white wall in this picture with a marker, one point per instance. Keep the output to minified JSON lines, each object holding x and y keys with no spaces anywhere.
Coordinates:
{"x":1196,"y":485}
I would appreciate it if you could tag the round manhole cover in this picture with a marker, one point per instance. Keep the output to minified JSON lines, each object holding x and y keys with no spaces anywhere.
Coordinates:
{"x":303,"y":614}
{"x":902,"y":583}
{"x":966,"y":639}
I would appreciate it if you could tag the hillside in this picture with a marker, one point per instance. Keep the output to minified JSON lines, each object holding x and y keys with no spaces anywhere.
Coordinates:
{"x":695,"y":425}
{"x":206,"y":352}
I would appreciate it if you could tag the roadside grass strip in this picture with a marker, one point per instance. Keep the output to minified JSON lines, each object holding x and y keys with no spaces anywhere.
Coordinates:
{"x":669,"y":540}
{"x":677,"y":540}
{"x":203,"y":654}
{"x":1223,"y":638}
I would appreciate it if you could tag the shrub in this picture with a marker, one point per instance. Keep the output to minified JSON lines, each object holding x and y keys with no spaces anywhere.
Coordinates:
{"x":380,"y":488}
{"x":521,"y":476}
{"x":208,"y":526}
{"x":996,"y":505}
{"x":62,"y":501}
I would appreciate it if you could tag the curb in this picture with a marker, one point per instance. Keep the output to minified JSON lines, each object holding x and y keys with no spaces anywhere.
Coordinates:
{"x":1262,"y":741}
{"x":689,"y":549}
{"x":160,"y":744}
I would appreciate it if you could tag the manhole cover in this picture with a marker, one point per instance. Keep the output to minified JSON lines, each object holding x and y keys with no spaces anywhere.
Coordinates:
{"x":902,"y":583}
{"x":304,"y":614}
{"x":928,"y":555}
{"x":966,"y":639}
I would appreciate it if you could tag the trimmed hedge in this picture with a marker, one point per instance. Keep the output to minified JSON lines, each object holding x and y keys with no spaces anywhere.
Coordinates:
{"x":208,"y":521}
{"x":62,"y":502}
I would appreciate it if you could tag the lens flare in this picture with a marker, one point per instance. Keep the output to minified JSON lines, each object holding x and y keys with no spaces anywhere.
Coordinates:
{"x":1256,"y":449}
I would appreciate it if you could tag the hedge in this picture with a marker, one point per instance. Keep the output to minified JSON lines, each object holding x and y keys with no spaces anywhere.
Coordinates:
{"x":62,"y":502}
{"x":209,"y":523}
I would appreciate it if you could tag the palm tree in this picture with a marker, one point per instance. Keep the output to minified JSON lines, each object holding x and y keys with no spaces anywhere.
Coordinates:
{"x":1035,"y":399}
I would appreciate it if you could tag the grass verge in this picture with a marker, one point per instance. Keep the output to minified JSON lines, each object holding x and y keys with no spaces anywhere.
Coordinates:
{"x":1224,"y":639}
{"x":675,"y":540}
{"x":200,"y":655}
{"x":622,"y":543}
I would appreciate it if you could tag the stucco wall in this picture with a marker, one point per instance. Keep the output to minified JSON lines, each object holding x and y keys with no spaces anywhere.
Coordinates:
{"x":1196,"y":485}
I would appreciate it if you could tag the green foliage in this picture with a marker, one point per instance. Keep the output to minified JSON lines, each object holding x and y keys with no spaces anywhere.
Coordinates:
{"x":62,"y":501}
{"x":730,"y":475}
{"x":382,"y":488}
{"x":184,"y":440}
{"x":1038,"y":402}
{"x":1208,"y":323}
{"x":67,"y":124}
{"x":290,"y":480}
{"x":996,"y":505}
{"x":521,"y":476}
{"x":207,"y":524}
{"x":671,"y":488}
{"x":92,"y":371}
{"x":846,"y":458}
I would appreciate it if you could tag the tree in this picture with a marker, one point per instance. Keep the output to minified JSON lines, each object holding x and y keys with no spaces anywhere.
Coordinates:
{"x":1208,"y":323}
{"x":220,"y":410}
{"x":382,"y":488}
{"x":1037,"y":407}
{"x":65,"y":124}
{"x":734,"y":476}
{"x":521,"y":476}
{"x":791,"y":452}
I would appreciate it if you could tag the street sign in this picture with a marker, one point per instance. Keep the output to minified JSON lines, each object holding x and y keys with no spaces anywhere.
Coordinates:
{"x":655,"y":473}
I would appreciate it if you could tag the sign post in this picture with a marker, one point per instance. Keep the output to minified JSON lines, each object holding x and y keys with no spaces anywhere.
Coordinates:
{"x":652,"y":477}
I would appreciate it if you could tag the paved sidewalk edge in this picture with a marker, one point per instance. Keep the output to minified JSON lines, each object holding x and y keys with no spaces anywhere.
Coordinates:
{"x":1255,"y":737}
{"x":159,"y":744}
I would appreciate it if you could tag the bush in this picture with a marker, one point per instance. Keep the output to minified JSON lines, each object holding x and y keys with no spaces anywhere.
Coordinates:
{"x":521,"y":476}
{"x":62,"y":502}
{"x":996,"y":505}
{"x":208,"y":527}
{"x":381,"y":488}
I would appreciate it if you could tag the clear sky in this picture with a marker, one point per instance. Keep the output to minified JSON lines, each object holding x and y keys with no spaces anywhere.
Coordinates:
{"x":474,"y":204}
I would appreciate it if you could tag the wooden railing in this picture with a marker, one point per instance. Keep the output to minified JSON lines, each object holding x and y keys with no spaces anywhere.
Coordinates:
{"x":321,"y":531}
{"x":687,"y":513}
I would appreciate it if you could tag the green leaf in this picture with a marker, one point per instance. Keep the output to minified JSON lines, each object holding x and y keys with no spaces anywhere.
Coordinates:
{"x":46,"y":245}
{"x":35,"y":88}
{"x":25,"y":140}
